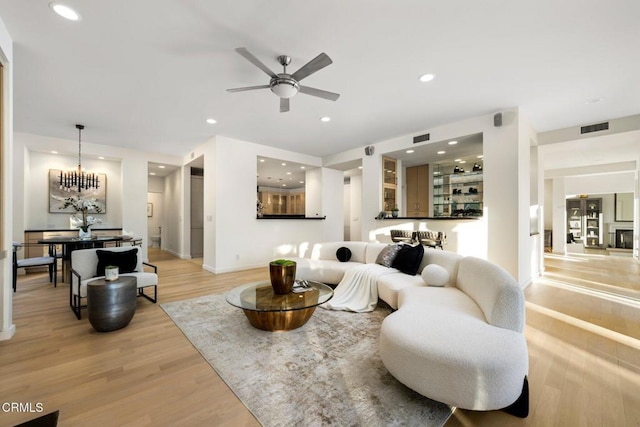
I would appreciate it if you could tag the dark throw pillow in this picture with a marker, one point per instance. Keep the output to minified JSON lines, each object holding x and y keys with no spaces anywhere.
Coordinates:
{"x":408,"y":259}
{"x":343,"y":254}
{"x":126,"y":261}
{"x":387,"y":255}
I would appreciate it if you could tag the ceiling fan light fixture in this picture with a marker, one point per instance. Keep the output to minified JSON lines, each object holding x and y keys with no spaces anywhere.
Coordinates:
{"x":427,"y":77}
{"x":284,"y":87}
{"x":65,"y":11}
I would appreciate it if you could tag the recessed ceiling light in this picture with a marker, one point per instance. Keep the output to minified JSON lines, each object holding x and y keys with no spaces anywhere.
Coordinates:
{"x":463,"y":161}
{"x":325,"y":119}
{"x":457,"y":160}
{"x":284,"y":164}
{"x":212,"y":121}
{"x":481,"y":156}
{"x":441,"y":152}
{"x":284,"y":185}
{"x":452,"y":142}
{"x":359,"y":167}
{"x":436,"y":173}
{"x":302,"y":167}
{"x":54,"y":152}
{"x":426,"y":77}
{"x":301,"y":182}
{"x":161,"y":166}
{"x":152,"y":173}
{"x":65,"y":11}
{"x":101,"y":157}
{"x":409,"y":151}
{"x":288,"y":173}
{"x":261,"y":160}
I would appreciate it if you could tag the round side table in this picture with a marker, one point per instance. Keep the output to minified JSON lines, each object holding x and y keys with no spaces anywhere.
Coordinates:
{"x":111,"y":304}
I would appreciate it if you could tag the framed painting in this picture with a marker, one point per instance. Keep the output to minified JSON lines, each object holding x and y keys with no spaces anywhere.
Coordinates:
{"x":58,"y":194}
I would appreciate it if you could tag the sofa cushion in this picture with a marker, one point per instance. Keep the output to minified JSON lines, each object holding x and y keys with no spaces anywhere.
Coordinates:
{"x":126,"y":261}
{"x":387,"y":255}
{"x":372,"y":252}
{"x":143,"y":279}
{"x":448,"y":260}
{"x":408,"y":259}
{"x":435,"y":275}
{"x":343,"y":254}
{"x":391,"y":284}
{"x":323,"y":271}
{"x":328,"y":250}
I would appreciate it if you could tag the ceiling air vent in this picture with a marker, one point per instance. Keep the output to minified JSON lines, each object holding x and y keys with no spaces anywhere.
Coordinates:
{"x":594,"y":128}
{"x":421,"y":138}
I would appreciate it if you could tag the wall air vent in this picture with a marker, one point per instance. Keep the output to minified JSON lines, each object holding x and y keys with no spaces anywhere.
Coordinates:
{"x":594,"y":128}
{"x":421,"y":138}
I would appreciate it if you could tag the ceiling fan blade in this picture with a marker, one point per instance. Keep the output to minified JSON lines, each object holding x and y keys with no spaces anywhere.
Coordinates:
{"x":284,"y":105}
{"x":242,"y":89}
{"x":317,"y":63}
{"x":255,"y":61}
{"x":331,"y":96}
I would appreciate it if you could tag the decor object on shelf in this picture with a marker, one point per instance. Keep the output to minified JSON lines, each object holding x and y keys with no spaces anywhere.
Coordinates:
{"x":84,"y":221}
{"x":394,"y":211}
{"x":287,"y":85}
{"x":111,"y":273}
{"x":282,"y":273}
{"x":71,"y":179}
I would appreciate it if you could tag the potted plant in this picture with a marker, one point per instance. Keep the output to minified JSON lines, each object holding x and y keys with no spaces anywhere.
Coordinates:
{"x":394,"y":211}
{"x":283,"y":274}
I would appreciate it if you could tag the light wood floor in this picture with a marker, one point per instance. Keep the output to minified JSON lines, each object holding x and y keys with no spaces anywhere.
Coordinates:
{"x":584,"y":349}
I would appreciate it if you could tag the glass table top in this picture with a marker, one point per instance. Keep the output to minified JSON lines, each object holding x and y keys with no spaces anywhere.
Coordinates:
{"x":259,"y":296}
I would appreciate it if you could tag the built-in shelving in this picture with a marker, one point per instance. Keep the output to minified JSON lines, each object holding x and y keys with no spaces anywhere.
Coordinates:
{"x":457,"y":194}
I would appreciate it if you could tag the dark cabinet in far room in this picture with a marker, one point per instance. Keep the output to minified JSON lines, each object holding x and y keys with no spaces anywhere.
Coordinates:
{"x":418,"y":190}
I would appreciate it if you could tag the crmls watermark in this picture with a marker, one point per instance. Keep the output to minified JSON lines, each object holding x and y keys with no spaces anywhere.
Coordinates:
{"x":22,"y":407}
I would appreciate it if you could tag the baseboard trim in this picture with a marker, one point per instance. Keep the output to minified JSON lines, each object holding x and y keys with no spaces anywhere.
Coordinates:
{"x":174,"y":253}
{"x":7,"y":334}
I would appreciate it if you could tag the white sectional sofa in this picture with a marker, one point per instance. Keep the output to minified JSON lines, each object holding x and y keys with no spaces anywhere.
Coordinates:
{"x":461,"y":343}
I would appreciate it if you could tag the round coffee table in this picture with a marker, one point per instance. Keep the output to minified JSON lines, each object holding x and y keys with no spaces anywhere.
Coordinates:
{"x":269,"y":311}
{"x":111,"y":304}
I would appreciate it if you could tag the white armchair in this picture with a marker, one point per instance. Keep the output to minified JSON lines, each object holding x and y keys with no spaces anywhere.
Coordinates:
{"x":84,"y":268}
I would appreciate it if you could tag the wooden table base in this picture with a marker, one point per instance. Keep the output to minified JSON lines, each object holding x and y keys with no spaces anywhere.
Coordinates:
{"x":279,"y":320}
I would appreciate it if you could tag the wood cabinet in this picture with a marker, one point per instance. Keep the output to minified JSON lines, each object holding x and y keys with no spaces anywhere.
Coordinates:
{"x":389,"y":183}
{"x":417,"y":190}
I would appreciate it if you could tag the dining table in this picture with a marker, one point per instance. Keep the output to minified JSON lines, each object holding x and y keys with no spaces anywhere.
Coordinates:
{"x":70,"y":244}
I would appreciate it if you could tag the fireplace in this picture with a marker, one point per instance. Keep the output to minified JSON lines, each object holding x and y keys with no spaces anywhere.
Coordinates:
{"x":624,"y":239}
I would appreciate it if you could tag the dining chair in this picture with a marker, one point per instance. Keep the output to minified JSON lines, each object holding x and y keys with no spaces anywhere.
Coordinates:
{"x":49,"y":260}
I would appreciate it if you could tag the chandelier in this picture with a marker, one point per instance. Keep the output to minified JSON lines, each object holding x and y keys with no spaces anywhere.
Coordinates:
{"x":72,"y":179}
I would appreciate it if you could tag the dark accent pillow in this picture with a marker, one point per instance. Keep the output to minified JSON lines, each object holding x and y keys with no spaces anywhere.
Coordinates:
{"x":408,"y":259}
{"x":126,"y":261}
{"x":387,"y":255}
{"x":343,"y":254}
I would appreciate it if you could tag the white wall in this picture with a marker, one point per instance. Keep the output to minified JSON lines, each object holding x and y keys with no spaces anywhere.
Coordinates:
{"x":171,"y":230}
{"x":7,"y":328}
{"x":234,"y":238}
{"x":355,"y":197}
{"x":37,"y":182}
{"x":347,"y":211}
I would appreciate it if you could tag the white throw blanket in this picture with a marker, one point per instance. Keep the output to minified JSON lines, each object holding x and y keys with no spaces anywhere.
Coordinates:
{"x":358,"y":289}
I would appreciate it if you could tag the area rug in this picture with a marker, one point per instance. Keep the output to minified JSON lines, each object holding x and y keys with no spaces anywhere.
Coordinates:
{"x":327,"y":372}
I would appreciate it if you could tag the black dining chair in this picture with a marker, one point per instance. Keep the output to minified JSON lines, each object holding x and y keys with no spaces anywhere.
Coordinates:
{"x":49,"y":260}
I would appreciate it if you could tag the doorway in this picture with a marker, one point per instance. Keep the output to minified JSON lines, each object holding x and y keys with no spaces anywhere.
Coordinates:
{"x":197,"y":212}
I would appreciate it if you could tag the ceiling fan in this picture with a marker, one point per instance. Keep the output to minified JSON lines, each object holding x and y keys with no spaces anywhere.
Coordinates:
{"x":287,"y":85}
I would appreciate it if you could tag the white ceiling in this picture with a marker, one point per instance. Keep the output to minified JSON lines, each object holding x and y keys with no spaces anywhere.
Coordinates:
{"x":148,"y":73}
